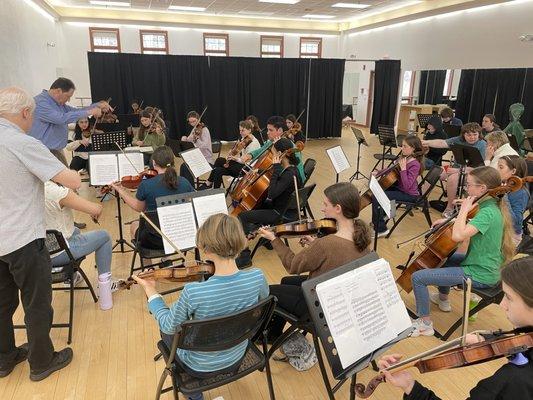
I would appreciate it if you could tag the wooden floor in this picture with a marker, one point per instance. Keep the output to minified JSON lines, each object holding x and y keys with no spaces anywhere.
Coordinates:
{"x":113,"y":350}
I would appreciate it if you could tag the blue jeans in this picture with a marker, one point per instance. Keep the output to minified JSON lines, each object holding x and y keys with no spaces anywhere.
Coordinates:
{"x":378,"y":220}
{"x":82,"y":244}
{"x":428,"y":163}
{"x":450,"y":274}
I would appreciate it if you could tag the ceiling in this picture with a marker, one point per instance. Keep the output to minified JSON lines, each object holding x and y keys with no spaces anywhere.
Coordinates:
{"x":259,"y":9}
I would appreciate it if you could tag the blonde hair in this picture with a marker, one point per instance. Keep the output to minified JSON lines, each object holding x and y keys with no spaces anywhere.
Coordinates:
{"x":13,"y":100}
{"x":497,"y":138}
{"x":491,"y":178}
{"x":222,"y":235}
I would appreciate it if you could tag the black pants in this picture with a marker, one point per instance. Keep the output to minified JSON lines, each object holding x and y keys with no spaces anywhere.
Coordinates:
{"x":233,"y":169}
{"x":78,"y":163}
{"x":254,"y":219}
{"x":290,"y":298}
{"x":29,"y":270}
{"x":185,"y":172}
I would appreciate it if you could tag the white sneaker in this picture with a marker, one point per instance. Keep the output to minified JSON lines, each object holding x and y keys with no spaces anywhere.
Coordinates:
{"x":115,"y":285}
{"x":384,"y":233}
{"x":422,"y":329}
{"x":444,"y":305}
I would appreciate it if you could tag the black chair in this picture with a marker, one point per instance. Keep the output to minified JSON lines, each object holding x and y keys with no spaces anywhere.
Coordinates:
{"x":216,"y":148}
{"x":303,"y":194}
{"x":174,"y":145}
{"x":431,"y":179}
{"x":216,"y":334}
{"x":387,"y":139}
{"x":309,"y":167}
{"x":56,"y":243}
{"x":493,"y":295}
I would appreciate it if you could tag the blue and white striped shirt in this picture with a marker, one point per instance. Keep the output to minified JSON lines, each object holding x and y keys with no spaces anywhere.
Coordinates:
{"x":218,"y":296}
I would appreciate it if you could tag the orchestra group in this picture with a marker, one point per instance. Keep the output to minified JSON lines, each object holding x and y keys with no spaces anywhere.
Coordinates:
{"x":40,"y":187}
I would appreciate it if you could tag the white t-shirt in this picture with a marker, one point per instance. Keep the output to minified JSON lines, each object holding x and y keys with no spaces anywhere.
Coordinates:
{"x":57,"y":217}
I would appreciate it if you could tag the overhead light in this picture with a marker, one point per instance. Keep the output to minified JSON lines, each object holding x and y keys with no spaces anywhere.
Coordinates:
{"x":110,"y":3}
{"x":351,"y":5}
{"x":318,"y":16}
{"x":280,"y":1}
{"x":186,"y":8}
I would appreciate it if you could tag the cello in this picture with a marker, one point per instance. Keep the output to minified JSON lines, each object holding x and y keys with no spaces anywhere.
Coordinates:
{"x":439,"y":242}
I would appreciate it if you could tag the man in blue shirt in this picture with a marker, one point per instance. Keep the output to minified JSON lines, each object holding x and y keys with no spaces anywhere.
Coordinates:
{"x":52,"y":116}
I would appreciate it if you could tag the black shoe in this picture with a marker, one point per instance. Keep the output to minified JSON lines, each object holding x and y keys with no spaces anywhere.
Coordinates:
{"x":60,"y":360}
{"x":80,"y":225}
{"x":203,"y":186}
{"x":244,"y":259}
{"x":8,"y":367}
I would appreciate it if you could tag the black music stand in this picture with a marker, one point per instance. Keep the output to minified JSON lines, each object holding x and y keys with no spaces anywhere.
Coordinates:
{"x":322,"y":330}
{"x":106,"y":141}
{"x":423,"y":119}
{"x":465,"y":156}
{"x":452,"y":130}
{"x":360,"y":137}
{"x":109,"y":126}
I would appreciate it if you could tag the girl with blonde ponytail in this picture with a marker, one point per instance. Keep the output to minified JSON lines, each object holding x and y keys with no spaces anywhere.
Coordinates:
{"x":490,"y":246}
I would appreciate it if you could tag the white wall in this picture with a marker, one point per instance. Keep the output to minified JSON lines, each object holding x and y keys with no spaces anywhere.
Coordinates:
{"x":25,"y":58}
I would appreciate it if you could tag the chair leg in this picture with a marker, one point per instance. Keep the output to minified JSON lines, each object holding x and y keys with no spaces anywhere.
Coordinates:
{"x":267,"y":366}
{"x":425,"y":210}
{"x":308,"y":209}
{"x":322,"y":368}
{"x":481,"y":305}
{"x":71,"y":309}
{"x":89,"y":285}
{"x":162,"y":380}
{"x":256,"y":247}
{"x":396,"y":222}
{"x":132,"y":268}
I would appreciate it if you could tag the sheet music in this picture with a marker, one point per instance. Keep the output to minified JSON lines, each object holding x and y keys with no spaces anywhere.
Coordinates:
{"x":196,"y":162}
{"x":338,"y":159}
{"x":177,"y":222}
{"x":363,"y":309}
{"x":142,"y":149}
{"x":381,"y":197}
{"x":205,"y":206}
{"x":124,"y":166}
{"x":103,"y":169}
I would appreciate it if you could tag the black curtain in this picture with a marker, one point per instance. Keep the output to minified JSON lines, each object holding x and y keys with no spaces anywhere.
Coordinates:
{"x":431,"y":86}
{"x":422,"y":87}
{"x":483,"y":94}
{"x":510,"y":85}
{"x":464,"y":94}
{"x":231,"y":87}
{"x":527,"y":100}
{"x":386,"y":85}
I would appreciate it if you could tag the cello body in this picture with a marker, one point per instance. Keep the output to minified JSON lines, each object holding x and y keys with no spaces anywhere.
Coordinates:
{"x":253,"y":194}
{"x":386,"y":180}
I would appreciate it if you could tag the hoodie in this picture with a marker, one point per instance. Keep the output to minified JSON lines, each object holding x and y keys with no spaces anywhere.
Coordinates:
{"x":436,"y":154}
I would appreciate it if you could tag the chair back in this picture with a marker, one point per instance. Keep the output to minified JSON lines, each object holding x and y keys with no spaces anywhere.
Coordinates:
{"x":174,"y":145}
{"x":386,"y":136}
{"x":56,"y":243}
{"x":309,"y":167}
{"x":216,"y":147}
{"x":303,"y":194}
{"x":225,"y":332}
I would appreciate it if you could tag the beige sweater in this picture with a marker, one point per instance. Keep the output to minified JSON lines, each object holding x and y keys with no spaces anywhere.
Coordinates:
{"x":324,"y":254}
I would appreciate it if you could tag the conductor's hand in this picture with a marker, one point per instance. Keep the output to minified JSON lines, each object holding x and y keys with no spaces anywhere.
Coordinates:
{"x":401,"y":379}
{"x":95,"y":112}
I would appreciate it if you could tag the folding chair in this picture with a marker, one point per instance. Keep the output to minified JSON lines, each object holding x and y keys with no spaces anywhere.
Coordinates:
{"x":309,"y":167}
{"x":217,"y":334}
{"x":387,"y":139}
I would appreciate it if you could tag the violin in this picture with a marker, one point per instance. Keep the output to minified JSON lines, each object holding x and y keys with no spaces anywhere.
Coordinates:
{"x":439,"y":242}
{"x":131,"y":181}
{"x":186,"y":272}
{"x":505,"y":344}
{"x":302,"y":228}
{"x":239,"y":146}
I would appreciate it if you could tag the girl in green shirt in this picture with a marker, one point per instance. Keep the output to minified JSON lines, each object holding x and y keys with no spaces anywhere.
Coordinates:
{"x":490,"y":245}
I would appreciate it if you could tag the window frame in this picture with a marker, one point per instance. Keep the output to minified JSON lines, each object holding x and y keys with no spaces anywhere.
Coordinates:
{"x":151,"y":32}
{"x":93,"y":29}
{"x":282,"y":46}
{"x":314,"y":39}
{"x":217,"y":36}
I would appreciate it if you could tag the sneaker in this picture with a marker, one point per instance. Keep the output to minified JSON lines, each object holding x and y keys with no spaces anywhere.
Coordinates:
{"x":444,"y":305}
{"x":116,"y":285}
{"x":422,"y":329}
{"x":80,"y":225}
{"x":77,"y":280}
{"x":384,"y":233}
{"x":60,"y":360}
{"x":447,"y":213}
{"x":7,"y":367}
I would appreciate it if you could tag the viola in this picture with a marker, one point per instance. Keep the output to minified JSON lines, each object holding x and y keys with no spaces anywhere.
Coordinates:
{"x":302,"y":228}
{"x":239,"y":146}
{"x":131,"y":181}
{"x":439,"y":242}
{"x":503,"y":345}
{"x":185,"y":272}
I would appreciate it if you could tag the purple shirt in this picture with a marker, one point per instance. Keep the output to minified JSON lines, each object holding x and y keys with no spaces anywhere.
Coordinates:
{"x":408,"y":178}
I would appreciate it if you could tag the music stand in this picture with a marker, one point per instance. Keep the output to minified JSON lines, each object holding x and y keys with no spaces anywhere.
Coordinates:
{"x":322,"y":330}
{"x":109,"y":126}
{"x":465,"y":156}
{"x":338,"y":160}
{"x":106,"y":141}
{"x":361,"y":139}
{"x":423,"y":119}
{"x":452,"y":130}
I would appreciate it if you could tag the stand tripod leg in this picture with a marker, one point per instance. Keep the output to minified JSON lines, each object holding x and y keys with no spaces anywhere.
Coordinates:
{"x":357,"y":172}
{"x":352,"y":386}
{"x":121,"y":241}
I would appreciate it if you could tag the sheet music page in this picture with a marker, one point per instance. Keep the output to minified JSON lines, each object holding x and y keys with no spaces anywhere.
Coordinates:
{"x":143,"y":149}
{"x":205,"y":206}
{"x":338,"y":159}
{"x":177,"y":222}
{"x":380,"y":195}
{"x":363,"y":310}
{"x":103,"y":169}
{"x":124,"y":166}
{"x":196,"y":162}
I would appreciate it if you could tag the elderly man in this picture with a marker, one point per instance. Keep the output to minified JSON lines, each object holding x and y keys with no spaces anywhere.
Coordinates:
{"x":52,"y":116}
{"x":24,"y":260}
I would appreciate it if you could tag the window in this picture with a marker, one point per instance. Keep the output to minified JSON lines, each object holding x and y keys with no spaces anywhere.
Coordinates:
{"x":105,"y":40}
{"x":272,"y":46}
{"x":154,"y":42}
{"x":408,"y":85}
{"x":310,"y":47}
{"x":448,"y":83}
{"x":216,"y":44}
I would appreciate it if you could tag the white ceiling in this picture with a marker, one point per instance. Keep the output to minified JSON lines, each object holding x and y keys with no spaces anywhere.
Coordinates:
{"x":248,"y":7}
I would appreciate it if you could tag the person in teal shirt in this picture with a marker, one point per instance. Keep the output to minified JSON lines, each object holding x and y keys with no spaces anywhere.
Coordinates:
{"x":275,"y":127}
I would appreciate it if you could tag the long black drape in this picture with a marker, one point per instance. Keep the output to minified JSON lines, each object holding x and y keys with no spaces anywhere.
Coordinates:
{"x":232,"y":88}
{"x":431,"y":86}
{"x":464,"y":94}
{"x":527,"y":100}
{"x":386,"y":85}
{"x":422,"y":87}
{"x":510,"y":85}
{"x":484,"y":94}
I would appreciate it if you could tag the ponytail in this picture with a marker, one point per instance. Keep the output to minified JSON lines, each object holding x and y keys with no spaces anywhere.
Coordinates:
{"x":361,"y":235}
{"x":164,"y":158}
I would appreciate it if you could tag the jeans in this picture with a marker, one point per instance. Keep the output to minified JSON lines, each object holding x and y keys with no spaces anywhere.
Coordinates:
{"x":27,"y":270}
{"x":82,"y":244}
{"x":380,"y":225}
{"x":450,"y":274}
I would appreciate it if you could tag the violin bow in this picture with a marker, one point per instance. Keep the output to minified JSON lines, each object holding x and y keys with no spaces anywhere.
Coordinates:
{"x":299,"y":116}
{"x":99,"y":119}
{"x":127,"y":158}
{"x":157,"y":111}
{"x":297,"y":197}
{"x":199,"y":119}
{"x":467,"y":285}
{"x":176,"y":248}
